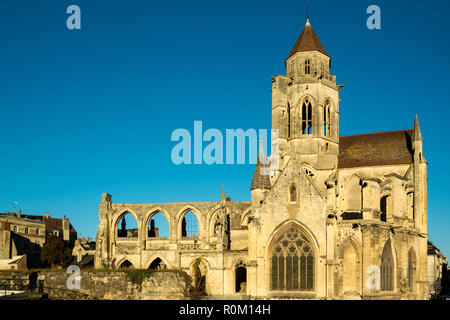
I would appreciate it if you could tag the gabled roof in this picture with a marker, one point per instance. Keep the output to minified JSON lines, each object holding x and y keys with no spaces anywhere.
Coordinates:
{"x":373,"y":149}
{"x":307,"y":41}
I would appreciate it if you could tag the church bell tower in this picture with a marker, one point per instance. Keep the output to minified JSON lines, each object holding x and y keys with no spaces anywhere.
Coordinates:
{"x":305,"y":104}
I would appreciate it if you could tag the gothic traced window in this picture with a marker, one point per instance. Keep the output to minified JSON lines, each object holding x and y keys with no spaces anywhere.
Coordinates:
{"x":387,"y":268}
{"x":306,"y":117}
{"x":292,"y":262}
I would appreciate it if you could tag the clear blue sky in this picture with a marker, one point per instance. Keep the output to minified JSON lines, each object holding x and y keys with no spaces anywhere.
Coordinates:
{"x":91,"y":111}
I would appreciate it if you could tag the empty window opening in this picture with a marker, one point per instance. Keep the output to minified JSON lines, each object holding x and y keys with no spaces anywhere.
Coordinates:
{"x":127,"y":227}
{"x":307,"y":66}
{"x":308,"y":172}
{"x":383,"y":208}
{"x":327,"y":119}
{"x":306,"y":117}
{"x":26,"y":230}
{"x":157,"y":264}
{"x":241,"y":278}
{"x":158,"y":226}
{"x":293,"y":194}
{"x":189,"y":225}
{"x":126,"y":265}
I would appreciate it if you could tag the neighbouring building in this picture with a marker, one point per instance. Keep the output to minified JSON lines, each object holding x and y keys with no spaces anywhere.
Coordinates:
{"x":344,"y":217}
{"x":84,"y":252}
{"x":21,"y":236}
{"x":24,"y":234}
{"x":437,"y":271}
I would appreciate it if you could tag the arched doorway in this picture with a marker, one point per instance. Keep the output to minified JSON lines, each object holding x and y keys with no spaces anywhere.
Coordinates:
{"x":241,"y":278}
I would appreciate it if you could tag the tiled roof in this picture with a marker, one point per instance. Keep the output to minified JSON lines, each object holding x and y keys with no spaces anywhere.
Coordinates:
{"x":307,"y":41}
{"x":373,"y":149}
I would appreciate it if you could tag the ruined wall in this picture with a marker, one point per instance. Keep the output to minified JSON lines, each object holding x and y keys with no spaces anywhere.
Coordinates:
{"x":162,"y":285}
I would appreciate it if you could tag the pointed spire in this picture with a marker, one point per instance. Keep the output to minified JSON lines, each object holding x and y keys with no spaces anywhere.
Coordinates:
{"x":260,"y":181}
{"x":417,"y":133}
{"x":307,"y":41}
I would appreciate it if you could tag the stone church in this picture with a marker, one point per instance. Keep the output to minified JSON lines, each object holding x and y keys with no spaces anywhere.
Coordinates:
{"x":344,"y":217}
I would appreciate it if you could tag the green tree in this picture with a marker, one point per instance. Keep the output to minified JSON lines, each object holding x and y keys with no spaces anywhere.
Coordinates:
{"x":56,"y":252}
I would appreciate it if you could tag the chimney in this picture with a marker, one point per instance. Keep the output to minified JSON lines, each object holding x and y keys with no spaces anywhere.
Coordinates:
{"x":89,"y":239}
{"x":20,"y":213}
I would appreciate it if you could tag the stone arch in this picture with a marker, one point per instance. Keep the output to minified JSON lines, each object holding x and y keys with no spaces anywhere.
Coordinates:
{"x":150,"y":260}
{"x":244,"y":219}
{"x":125,"y":263}
{"x":292,"y":253}
{"x":212,"y":220}
{"x":149,"y":215}
{"x":351,"y":256}
{"x":180,"y":215}
{"x":388,"y":266}
{"x":119,"y":216}
{"x":201,"y":282}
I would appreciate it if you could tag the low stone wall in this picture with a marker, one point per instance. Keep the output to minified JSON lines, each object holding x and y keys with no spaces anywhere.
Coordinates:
{"x":159,"y":285}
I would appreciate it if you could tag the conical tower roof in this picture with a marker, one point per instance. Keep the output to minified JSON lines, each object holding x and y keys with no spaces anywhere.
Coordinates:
{"x":260,"y":181}
{"x":307,"y":41}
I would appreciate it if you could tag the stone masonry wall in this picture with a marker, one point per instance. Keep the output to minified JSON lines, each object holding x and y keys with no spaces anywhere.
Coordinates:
{"x":161,"y":285}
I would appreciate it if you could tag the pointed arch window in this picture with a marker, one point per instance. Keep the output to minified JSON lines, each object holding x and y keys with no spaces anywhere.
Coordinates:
{"x":307,"y":66}
{"x":292,"y":262}
{"x":306,"y":117}
{"x":327,"y":119}
{"x":387,"y":268}
{"x":293,"y":194}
